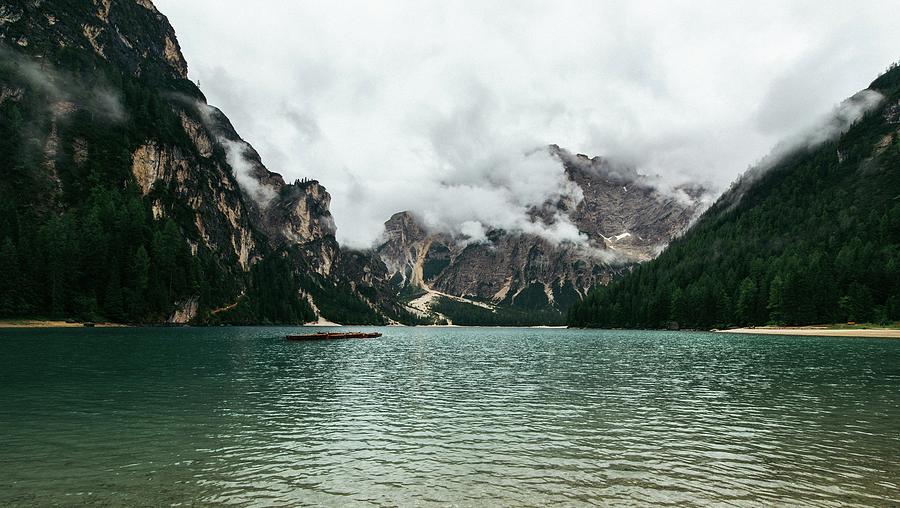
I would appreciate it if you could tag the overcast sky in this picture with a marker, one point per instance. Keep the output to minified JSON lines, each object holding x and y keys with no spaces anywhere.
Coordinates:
{"x":436,"y":107}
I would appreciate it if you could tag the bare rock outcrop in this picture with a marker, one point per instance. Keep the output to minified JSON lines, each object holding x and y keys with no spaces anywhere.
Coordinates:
{"x":624,"y":216}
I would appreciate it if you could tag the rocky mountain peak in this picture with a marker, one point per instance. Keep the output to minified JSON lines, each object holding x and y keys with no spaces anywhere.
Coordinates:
{"x":625,"y":210}
{"x":625,"y":217}
{"x":300,"y":213}
{"x":404,"y":227}
{"x":598,"y":167}
{"x":131,"y":35}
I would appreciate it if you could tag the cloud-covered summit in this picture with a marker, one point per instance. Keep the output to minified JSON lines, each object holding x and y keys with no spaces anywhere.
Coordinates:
{"x":438,"y":107}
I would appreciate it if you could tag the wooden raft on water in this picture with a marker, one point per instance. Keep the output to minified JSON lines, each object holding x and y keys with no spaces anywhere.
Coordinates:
{"x":335,"y":335}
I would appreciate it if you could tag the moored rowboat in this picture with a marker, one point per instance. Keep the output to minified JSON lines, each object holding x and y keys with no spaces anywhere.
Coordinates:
{"x":335,"y":335}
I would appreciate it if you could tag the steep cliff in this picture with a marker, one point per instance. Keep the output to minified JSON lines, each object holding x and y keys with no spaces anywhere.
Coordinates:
{"x":125,"y":196}
{"x":625,"y":219}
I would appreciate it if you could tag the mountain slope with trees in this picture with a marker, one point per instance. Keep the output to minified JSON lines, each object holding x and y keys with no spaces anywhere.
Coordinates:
{"x":124,"y":196}
{"x":812,"y":237}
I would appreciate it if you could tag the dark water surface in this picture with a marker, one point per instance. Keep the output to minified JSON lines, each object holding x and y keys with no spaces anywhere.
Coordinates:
{"x":467,"y":417}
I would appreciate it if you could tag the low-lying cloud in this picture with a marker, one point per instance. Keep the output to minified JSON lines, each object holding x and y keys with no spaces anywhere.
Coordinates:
{"x":241,"y":167}
{"x":495,"y":192}
{"x":438,"y":107}
{"x":237,"y":153}
{"x":64,"y":91}
{"x":828,"y":127}
{"x":824,"y":129}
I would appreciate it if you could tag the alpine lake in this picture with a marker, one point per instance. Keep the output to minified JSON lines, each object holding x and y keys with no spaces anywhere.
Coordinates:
{"x":446,"y":416}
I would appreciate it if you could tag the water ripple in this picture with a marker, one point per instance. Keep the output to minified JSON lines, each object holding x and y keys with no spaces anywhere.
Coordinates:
{"x":465,"y":417}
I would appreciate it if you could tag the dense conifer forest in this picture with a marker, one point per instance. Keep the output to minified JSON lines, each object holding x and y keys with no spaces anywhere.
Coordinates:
{"x":85,"y":245}
{"x":466,"y":314}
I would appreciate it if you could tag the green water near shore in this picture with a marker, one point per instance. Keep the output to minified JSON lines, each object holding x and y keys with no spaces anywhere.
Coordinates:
{"x":465,"y":416}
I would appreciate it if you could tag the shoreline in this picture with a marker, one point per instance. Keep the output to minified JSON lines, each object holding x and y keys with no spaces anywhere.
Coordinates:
{"x":51,"y":323}
{"x":817,"y":331}
{"x":802,"y":331}
{"x":54,"y":323}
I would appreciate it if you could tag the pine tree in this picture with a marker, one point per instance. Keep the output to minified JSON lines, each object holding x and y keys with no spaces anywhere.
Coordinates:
{"x":776,"y":301}
{"x":140,"y":274}
{"x":113,"y":302}
{"x":10,"y":280}
{"x":746,"y":301}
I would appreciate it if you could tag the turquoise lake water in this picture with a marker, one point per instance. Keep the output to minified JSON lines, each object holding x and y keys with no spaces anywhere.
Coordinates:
{"x":446,"y":416}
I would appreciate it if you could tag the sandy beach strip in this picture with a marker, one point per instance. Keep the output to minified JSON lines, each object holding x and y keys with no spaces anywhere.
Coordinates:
{"x":41,"y":323}
{"x":818,"y":331}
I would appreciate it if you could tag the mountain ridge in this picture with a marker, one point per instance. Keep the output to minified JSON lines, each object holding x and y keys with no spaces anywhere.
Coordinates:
{"x":623,"y":217}
{"x":811,"y":237}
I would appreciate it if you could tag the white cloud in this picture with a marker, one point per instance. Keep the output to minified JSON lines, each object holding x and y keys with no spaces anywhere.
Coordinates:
{"x":433,"y":107}
{"x":242,"y":170}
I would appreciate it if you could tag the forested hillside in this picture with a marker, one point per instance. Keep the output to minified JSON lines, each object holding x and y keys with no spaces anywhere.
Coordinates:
{"x":77,"y":239}
{"x":124,"y":196}
{"x":812,"y":238}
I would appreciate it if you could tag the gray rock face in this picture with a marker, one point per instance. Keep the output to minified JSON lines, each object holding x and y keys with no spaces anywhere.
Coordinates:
{"x":131,"y":35}
{"x":625,"y":218}
{"x":626,"y":211}
{"x":288,"y":214}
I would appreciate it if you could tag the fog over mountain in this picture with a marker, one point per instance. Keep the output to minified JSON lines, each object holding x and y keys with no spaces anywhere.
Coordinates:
{"x":440,"y":108}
